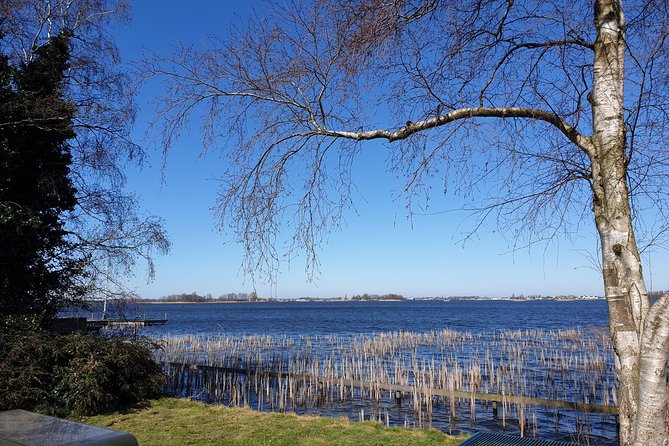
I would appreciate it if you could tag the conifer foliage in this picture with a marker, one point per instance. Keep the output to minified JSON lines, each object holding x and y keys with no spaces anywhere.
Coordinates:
{"x":38,"y":269}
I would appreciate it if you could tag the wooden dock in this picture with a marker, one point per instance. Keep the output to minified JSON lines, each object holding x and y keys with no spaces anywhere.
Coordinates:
{"x":97,"y":324}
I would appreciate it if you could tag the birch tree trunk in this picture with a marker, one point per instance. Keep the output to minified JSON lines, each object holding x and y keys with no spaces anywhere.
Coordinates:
{"x":640,"y":336}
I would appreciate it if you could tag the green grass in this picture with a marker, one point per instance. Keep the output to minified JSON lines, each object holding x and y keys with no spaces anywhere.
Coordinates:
{"x":171,"y":421}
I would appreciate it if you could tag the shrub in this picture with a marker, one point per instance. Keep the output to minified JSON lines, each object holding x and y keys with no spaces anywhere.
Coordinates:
{"x":75,"y":373}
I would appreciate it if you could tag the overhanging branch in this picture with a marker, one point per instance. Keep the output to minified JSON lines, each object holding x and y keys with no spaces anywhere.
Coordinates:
{"x":582,"y":141}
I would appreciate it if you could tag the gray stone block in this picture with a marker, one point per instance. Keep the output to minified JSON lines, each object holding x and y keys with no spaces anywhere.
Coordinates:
{"x":23,"y":428}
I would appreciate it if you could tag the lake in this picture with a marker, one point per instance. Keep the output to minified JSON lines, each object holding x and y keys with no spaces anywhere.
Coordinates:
{"x":348,"y":318}
{"x":247,"y":351}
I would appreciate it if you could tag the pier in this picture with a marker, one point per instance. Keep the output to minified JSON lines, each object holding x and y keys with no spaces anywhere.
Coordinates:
{"x":82,"y":324}
{"x":97,"y":324}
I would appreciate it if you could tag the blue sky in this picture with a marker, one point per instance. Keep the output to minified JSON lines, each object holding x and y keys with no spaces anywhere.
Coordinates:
{"x":378,"y":251}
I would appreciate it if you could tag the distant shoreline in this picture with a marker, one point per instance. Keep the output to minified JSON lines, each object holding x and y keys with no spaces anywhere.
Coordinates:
{"x":334,"y":299}
{"x":152,"y":302}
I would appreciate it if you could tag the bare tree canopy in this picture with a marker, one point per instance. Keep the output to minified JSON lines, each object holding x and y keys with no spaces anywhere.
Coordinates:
{"x":106,"y":227}
{"x":547,"y":113}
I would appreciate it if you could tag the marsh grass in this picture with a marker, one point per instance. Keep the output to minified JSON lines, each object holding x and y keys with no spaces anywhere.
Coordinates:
{"x":169,"y":421}
{"x":282,"y":374}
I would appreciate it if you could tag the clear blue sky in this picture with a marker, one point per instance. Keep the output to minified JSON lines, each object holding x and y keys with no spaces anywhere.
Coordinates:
{"x":379,"y":250}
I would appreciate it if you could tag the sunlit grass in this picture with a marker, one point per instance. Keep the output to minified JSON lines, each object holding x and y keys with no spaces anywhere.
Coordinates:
{"x":171,"y":421}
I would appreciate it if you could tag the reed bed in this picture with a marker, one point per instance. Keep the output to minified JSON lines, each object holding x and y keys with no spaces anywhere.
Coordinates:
{"x":433,"y":378}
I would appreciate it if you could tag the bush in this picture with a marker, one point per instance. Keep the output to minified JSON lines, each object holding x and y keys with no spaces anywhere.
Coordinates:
{"x":75,"y":373}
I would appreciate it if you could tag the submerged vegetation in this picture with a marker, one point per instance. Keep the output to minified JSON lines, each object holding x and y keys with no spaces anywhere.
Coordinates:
{"x":168,"y":422}
{"x":410,"y":379}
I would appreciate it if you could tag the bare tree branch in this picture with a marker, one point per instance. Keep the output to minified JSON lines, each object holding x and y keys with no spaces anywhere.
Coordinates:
{"x":411,"y":128}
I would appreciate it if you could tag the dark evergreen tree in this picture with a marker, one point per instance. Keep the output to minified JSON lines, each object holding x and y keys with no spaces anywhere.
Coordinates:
{"x":38,"y":270}
{"x":107,"y":226}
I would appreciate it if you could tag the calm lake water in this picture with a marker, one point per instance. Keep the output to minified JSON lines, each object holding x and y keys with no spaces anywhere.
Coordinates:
{"x":350,"y":318}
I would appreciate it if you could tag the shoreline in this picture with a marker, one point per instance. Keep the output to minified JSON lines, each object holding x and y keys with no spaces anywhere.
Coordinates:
{"x":334,"y":299}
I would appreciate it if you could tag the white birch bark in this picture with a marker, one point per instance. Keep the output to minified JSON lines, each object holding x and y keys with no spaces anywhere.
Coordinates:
{"x":640,"y":337}
{"x":651,"y":420}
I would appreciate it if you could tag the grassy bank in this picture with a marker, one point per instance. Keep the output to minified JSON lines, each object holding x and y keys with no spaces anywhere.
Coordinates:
{"x":180,"y":422}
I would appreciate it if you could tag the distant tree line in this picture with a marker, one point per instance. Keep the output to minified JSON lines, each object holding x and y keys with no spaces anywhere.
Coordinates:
{"x":366,"y":296}
{"x":195,"y":297}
